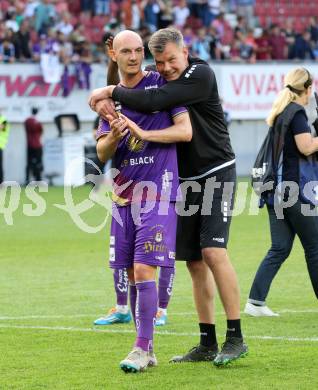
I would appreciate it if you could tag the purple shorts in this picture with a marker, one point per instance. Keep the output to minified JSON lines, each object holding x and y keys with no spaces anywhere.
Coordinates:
{"x":151,"y":240}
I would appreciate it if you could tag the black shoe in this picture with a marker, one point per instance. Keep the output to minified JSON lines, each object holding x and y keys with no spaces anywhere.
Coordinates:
{"x":233,"y":348}
{"x":198,"y":353}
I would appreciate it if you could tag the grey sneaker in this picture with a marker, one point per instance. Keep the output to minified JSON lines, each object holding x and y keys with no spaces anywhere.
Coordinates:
{"x":137,"y":360}
{"x":233,"y":348}
{"x":199,"y":353}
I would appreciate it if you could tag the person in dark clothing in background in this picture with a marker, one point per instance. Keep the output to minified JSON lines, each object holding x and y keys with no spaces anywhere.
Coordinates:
{"x":34,"y":132}
{"x":299,"y":166}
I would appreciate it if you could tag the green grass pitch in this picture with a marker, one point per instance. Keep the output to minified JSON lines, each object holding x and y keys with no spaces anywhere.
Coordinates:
{"x":54,"y":281}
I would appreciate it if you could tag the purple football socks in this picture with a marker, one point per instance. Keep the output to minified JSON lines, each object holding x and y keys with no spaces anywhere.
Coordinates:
{"x":121,"y":285}
{"x":146,"y":309}
{"x":165,"y":284}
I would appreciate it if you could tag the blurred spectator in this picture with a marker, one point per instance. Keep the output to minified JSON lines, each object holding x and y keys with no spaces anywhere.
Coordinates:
{"x":102,"y":7}
{"x":290,"y":35}
{"x":250,"y":39}
{"x":145,"y":34}
{"x":135,"y":15}
{"x":194,"y":8}
{"x":263,"y":49}
{"x":34,"y":130}
{"x":241,"y":25}
{"x":2,"y":30}
{"x":30,"y":7}
{"x":313,"y":29}
{"x":19,"y":7}
{"x":246,"y":8}
{"x":223,"y":29}
{"x":82,"y":59}
{"x":235,"y":50}
{"x":61,"y":6}
{"x":38,"y":48}
{"x":11,"y":21}
{"x":242,"y":50}
{"x":23,"y":42}
{"x":7,"y":51}
{"x":152,"y":9}
{"x":78,"y":33}
{"x":87,"y":6}
{"x":247,"y":51}
{"x":302,"y":49}
{"x":180,"y":13}
{"x":44,"y":16}
{"x":65,"y":48}
{"x":201,"y":45}
{"x":74,"y":7}
{"x":166,"y":14}
{"x":65,"y":25}
{"x":215,"y":45}
{"x":188,"y":36}
{"x":4,"y":136}
{"x":278,"y":44}
{"x":203,"y":12}
{"x":214,"y":9}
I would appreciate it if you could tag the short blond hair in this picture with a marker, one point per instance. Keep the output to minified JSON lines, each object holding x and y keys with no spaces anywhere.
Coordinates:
{"x":161,"y":38}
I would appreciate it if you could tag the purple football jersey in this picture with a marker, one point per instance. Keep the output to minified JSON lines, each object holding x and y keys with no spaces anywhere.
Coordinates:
{"x":139,"y":161}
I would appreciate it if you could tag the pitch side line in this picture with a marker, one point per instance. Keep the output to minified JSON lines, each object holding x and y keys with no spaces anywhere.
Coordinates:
{"x":172,"y":315}
{"x":164,"y":333}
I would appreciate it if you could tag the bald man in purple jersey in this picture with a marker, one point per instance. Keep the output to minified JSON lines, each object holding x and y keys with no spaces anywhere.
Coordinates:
{"x":147,"y":179}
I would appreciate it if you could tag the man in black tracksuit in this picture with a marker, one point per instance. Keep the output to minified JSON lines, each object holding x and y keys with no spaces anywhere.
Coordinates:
{"x":207,"y":172}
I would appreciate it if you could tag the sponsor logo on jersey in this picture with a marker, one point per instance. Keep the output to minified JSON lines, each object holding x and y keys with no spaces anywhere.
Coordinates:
{"x":152,"y":247}
{"x":112,"y":240}
{"x":155,"y":243}
{"x":151,"y":86}
{"x":158,"y":237}
{"x":141,"y":160}
{"x":134,"y":144}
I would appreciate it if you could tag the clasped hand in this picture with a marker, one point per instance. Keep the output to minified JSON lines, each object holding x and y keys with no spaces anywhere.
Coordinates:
{"x":121,"y":125}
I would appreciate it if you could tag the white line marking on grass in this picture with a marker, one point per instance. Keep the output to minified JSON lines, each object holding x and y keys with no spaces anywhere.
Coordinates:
{"x":48,"y":316}
{"x":172,"y":314}
{"x":164,"y":333}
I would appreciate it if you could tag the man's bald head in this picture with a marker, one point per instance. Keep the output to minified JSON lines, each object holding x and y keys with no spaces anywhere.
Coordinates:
{"x":125,"y":37}
{"x":128,"y":53}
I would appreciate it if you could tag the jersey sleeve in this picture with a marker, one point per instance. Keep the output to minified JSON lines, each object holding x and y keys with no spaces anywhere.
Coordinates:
{"x":177,"y":111}
{"x":299,"y":124}
{"x":103,"y":128}
{"x":193,"y":86}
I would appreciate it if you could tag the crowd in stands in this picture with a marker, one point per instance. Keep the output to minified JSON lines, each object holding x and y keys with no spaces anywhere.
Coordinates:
{"x":236,"y":30}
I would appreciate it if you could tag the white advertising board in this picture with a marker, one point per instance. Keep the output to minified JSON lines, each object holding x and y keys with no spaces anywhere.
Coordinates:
{"x":248,"y":91}
{"x":22,"y":87}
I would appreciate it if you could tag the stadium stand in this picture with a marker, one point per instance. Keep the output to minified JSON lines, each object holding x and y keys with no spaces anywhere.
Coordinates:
{"x":214,"y":29}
